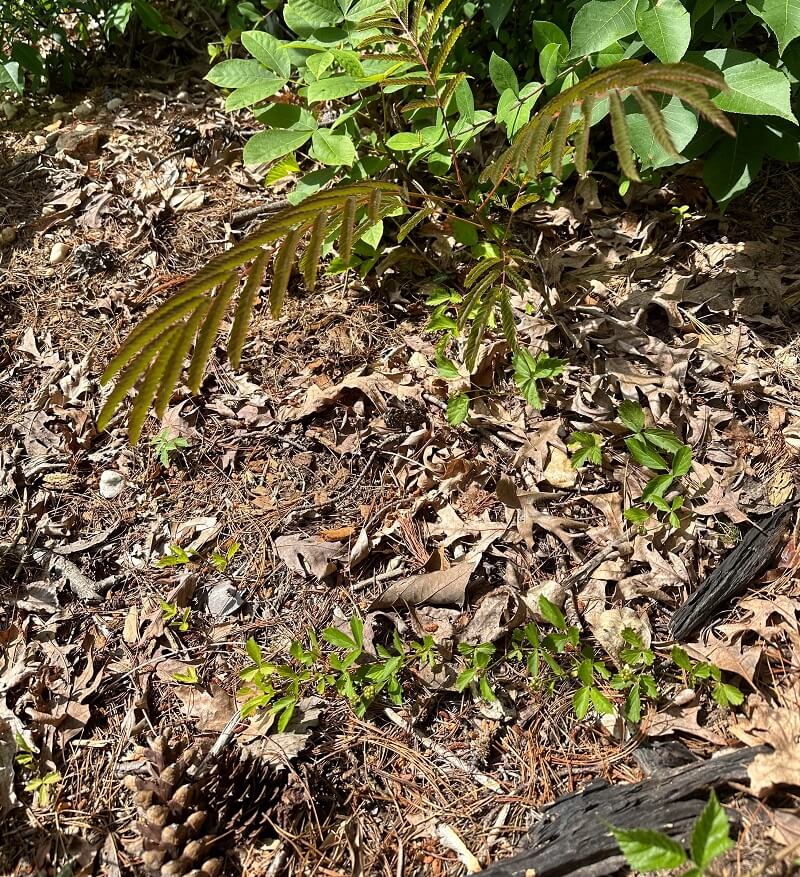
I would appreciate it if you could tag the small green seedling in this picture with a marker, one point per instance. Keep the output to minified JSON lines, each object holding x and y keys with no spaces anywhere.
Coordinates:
{"x":588,"y":448}
{"x":478,"y":657}
{"x":457,"y":409}
{"x":724,"y":693}
{"x":189,"y":677}
{"x":530,"y":369}
{"x":632,"y":677}
{"x":165,"y":445}
{"x":221,"y":560}
{"x":177,"y":556}
{"x":41,"y":787}
{"x":25,"y":753}
{"x":680,"y":214}
{"x":175,"y":617}
{"x":648,"y":850}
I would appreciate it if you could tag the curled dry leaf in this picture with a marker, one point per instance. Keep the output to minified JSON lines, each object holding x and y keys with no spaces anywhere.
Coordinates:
{"x":610,"y":625}
{"x":559,"y":470}
{"x":497,"y":614}
{"x":309,"y":557}
{"x":780,"y":727}
{"x":211,"y":709}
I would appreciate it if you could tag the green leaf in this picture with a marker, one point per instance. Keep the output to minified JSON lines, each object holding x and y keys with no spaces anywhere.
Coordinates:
{"x":782,"y":17}
{"x":457,"y":409}
{"x":12,"y":77}
{"x":588,"y":444}
{"x":734,"y":163}
{"x":681,"y":123}
{"x":282,"y":169}
{"x":632,"y":415}
{"x":525,"y":378}
{"x":502,"y":74}
{"x":248,"y":95}
{"x":644,"y":455}
{"x":332,"y":149}
{"x":268,"y":50}
{"x":647,"y":850}
{"x":600,"y":702}
{"x":754,"y":87}
{"x":337,"y":638}
{"x":657,"y":487}
{"x":580,"y":702}
{"x":335,"y":88}
{"x":405,"y":141}
{"x":266,"y":146}
{"x":664,"y":439}
{"x":681,"y":659}
{"x":636,"y":515}
{"x":496,"y":11}
{"x":238,"y":73}
{"x":599,"y":23}
{"x":682,"y":461}
{"x":665,"y":26}
{"x":550,"y":60}
{"x":545,"y":32}
{"x":551,"y":613}
{"x":710,"y":834}
{"x":253,"y":651}
{"x":316,"y":13}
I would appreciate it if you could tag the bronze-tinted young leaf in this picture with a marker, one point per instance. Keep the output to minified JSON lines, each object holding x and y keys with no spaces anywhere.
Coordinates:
{"x":621,"y":135}
{"x":244,"y":307}
{"x":208,"y":332}
{"x":148,"y":387}
{"x":558,"y":144}
{"x":347,"y":228}
{"x":444,"y":53}
{"x":450,"y":88}
{"x":374,"y":206}
{"x":474,"y":298}
{"x":533,"y":156}
{"x":507,"y":320}
{"x":281,"y":272}
{"x":309,"y":264}
{"x":582,"y":137}
{"x":130,"y":375}
{"x":433,"y":23}
{"x":478,"y":329}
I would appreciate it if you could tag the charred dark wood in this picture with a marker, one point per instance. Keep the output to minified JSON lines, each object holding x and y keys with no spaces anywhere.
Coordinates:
{"x":740,"y":568}
{"x":573,"y":838}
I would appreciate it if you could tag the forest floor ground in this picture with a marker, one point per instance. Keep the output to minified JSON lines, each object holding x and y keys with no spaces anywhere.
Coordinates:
{"x":328,"y":460}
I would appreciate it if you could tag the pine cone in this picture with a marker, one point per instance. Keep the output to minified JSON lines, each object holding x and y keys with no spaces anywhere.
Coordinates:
{"x":189,"y":817}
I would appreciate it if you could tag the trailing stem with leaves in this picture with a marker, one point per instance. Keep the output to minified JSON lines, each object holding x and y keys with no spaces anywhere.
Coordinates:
{"x":395,"y":140}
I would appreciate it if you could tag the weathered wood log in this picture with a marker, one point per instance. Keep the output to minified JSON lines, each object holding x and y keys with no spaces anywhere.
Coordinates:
{"x":740,"y":568}
{"x":573,"y":839}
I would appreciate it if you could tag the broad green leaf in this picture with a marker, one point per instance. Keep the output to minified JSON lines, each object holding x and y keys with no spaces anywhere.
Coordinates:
{"x":335,"y":88}
{"x":733,"y":163}
{"x":599,"y":23}
{"x":320,"y":62}
{"x":663,"y":438}
{"x":457,"y":409}
{"x":545,"y":32}
{"x":248,"y":95}
{"x":405,"y":141}
{"x":636,"y":515}
{"x":551,"y":613}
{"x":644,"y":455}
{"x":12,"y":77}
{"x":282,"y":169}
{"x":317,"y":13}
{"x":525,"y":378}
{"x":502,"y":74}
{"x":29,"y":58}
{"x":496,"y":11}
{"x":287,"y":116}
{"x":151,"y":18}
{"x":682,"y":461}
{"x":269,"y":51}
{"x":665,"y":26}
{"x":337,"y":638}
{"x":710,"y":833}
{"x":266,"y":146}
{"x":754,"y":87}
{"x":580,"y":702}
{"x":782,"y":17}
{"x":632,"y":415}
{"x":550,"y":60}
{"x":647,"y":850}
{"x":681,"y":122}
{"x":600,"y":702}
{"x":657,"y":487}
{"x":238,"y":73}
{"x":332,"y":149}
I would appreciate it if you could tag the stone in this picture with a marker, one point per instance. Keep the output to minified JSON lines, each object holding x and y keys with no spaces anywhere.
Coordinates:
{"x":7,"y":235}
{"x":83,"y":111}
{"x":10,"y":110}
{"x":111,"y":484}
{"x":59,"y":252}
{"x":40,"y":141}
{"x":114,"y":104}
{"x":79,"y":141}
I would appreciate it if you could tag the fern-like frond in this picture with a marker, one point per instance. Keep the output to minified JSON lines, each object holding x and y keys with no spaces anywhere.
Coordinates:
{"x":153,"y":356}
{"x":558,"y":117}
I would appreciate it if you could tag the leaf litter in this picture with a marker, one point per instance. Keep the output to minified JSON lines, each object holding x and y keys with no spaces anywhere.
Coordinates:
{"x":330,"y":463}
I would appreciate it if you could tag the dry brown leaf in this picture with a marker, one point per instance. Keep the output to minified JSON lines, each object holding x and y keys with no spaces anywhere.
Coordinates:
{"x":733,"y":657}
{"x":211,"y":710}
{"x":559,"y":471}
{"x":612,"y":622}
{"x":496,"y":614}
{"x":8,"y":749}
{"x":780,"y":727}
{"x":441,"y":588}
{"x":309,"y":557}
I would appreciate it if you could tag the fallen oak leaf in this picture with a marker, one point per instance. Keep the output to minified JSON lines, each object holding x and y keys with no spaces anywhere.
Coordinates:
{"x":780,"y":727}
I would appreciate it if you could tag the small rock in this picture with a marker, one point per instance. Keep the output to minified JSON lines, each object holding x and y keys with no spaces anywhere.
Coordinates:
{"x":114,"y":104}
{"x":58,"y":103}
{"x":83,"y":111}
{"x":40,"y":141}
{"x":111,"y":484}
{"x":81,"y":140}
{"x":182,"y":96}
{"x":58,"y":118}
{"x":51,"y":138}
{"x":59,"y":252}
{"x":7,"y":235}
{"x":10,"y":110}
